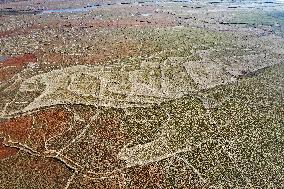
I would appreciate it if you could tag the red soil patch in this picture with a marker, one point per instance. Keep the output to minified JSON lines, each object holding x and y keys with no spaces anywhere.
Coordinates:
{"x":26,"y":171}
{"x":158,"y":20}
{"x":107,"y":139}
{"x":46,"y":124}
{"x":18,"y":61}
{"x":8,"y":73}
{"x":53,"y":121}
{"x":49,"y":123}
{"x":6,"y":151}
{"x":13,"y":65}
{"x":6,"y":33}
{"x":17,"y":129}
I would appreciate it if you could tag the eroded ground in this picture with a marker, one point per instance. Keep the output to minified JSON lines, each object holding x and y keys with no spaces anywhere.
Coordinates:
{"x":141,"y":94}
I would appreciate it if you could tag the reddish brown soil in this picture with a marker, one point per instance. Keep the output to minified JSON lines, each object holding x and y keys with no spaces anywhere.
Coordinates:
{"x":157,"y":20}
{"x":26,"y":171}
{"x":6,"y":33}
{"x":6,"y":151}
{"x":18,"y":61}
{"x":147,"y":176}
{"x":35,"y":129}
{"x":49,"y":123}
{"x":53,"y":121}
{"x":97,"y":150}
{"x":8,"y":73}
{"x":17,"y":129}
{"x":13,"y":65}
{"x":109,"y":139}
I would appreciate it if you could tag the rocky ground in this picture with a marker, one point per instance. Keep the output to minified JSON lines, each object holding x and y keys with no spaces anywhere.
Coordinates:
{"x":141,"y":94}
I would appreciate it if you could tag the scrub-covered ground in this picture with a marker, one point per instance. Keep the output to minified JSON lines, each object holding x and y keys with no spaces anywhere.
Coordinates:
{"x":141,"y":94}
